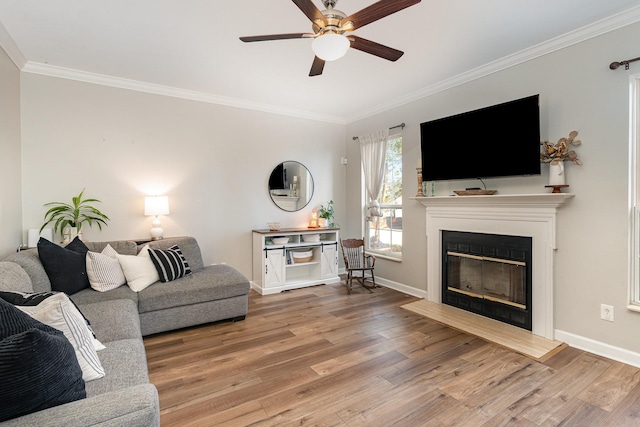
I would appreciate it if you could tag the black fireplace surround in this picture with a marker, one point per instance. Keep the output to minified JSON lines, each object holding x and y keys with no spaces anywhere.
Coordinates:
{"x":488,"y":274}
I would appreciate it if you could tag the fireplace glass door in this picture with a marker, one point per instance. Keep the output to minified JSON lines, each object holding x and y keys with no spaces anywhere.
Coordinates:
{"x":498,"y":280}
{"x":488,"y":274}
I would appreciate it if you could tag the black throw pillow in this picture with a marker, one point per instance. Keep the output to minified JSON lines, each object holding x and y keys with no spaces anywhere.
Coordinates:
{"x":66,"y":267}
{"x":24,"y":298}
{"x":170,"y":263}
{"x":38,"y":365}
{"x":77,"y":245}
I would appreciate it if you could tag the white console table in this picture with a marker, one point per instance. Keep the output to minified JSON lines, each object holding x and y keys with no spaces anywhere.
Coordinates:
{"x":274,"y":269}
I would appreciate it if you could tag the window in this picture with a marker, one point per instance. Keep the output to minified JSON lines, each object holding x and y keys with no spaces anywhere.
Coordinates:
{"x":634,"y":186}
{"x":384,"y":234}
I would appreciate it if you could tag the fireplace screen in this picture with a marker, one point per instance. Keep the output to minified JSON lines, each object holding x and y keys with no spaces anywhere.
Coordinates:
{"x":488,"y":274}
{"x":494,"y":279}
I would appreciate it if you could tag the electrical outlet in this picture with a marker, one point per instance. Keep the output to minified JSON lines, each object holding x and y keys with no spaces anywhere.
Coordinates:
{"x":606,"y":312}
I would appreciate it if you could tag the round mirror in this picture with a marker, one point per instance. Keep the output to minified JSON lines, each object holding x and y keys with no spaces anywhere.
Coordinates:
{"x":291,"y":186}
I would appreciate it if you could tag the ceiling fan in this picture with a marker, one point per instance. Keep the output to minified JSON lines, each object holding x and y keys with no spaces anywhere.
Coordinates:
{"x":329,"y":28}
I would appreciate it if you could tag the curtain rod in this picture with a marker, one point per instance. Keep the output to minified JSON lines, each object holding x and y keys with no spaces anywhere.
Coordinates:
{"x":401,"y":125}
{"x":615,"y":65}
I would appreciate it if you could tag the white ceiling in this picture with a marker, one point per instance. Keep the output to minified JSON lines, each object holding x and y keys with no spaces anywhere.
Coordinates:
{"x":191,"y":48}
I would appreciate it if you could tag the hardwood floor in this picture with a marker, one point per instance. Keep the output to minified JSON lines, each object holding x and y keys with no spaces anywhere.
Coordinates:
{"x":318,"y":356}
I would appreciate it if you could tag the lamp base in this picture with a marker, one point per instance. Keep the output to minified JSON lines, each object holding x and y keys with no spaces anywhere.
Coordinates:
{"x":156,"y":230}
{"x":156,"y":233}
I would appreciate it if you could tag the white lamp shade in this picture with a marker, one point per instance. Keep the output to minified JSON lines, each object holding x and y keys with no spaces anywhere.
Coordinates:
{"x":330,"y":47}
{"x":156,"y":205}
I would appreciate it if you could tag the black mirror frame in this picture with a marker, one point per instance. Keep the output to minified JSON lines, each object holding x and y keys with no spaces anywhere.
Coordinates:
{"x":276,"y":172}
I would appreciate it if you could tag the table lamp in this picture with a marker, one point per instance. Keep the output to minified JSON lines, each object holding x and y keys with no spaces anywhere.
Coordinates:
{"x":154,"y":206}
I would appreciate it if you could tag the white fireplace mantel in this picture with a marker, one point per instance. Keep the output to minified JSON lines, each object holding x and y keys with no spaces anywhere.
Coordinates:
{"x":529,"y":215}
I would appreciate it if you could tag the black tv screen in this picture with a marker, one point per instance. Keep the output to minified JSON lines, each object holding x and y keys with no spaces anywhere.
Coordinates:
{"x":278,"y":178}
{"x":495,"y":141}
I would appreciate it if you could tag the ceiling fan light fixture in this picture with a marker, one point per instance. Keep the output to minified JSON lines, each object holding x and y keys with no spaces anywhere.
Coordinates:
{"x":331,"y":46}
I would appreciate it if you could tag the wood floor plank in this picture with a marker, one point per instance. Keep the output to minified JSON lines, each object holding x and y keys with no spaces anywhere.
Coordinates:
{"x":575,"y":412}
{"x":495,"y":400}
{"x":319,"y":356}
{"x":338,"y":384}
{"x":560,"y":388}
{"x":608,"y":389}
{"x":487,"y":374}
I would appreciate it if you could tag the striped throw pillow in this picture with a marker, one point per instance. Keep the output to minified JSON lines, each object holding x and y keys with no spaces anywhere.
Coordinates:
{"x":170,"y":263}
{"x":59,"y":312}
{"x":103,"y":270}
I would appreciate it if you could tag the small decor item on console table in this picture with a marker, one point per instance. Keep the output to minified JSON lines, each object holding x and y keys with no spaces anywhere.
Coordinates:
{"x":273,"y":225}
{"x":325,"y":217}
{"x":556,"y":154}
{"x":313,"y":222}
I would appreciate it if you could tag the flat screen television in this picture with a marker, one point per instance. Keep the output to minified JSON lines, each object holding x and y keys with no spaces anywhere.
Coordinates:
{"x":496,"y":141}
{"x":278,"y":178}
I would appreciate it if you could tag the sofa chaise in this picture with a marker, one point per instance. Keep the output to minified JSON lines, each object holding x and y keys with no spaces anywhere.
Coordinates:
{"x":120,"y":318}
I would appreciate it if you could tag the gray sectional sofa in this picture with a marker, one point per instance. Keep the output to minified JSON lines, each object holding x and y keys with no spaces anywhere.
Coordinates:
{"x":120,"y":318}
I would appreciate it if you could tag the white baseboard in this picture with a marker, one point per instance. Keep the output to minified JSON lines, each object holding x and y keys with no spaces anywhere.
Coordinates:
{"x":601,"y":349}
{"x":419,"y":293}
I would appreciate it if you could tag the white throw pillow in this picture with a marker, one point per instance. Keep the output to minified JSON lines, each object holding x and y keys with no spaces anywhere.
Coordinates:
{"x":59,"y":312}
{"x":139,"y":269}
{"x":104,"y":271}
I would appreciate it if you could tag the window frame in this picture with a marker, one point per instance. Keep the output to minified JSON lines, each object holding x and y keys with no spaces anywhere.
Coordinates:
{"x":634,"y":193}
{"x":395,"y":256}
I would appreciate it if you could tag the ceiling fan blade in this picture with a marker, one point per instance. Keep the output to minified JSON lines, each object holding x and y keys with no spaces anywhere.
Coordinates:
{"x":312,"y":12}
{"x":316,"y":67}
{"x":374,"y":48}
{"x":275,"y":37}
{"x":376,"y":11}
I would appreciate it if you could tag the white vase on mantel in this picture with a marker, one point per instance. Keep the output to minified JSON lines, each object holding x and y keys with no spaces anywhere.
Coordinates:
{"x":556,"y":173}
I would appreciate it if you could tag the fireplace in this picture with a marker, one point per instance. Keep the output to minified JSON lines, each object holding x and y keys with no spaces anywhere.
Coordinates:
{"x":488,"y":274}
{"x":528,"y":215}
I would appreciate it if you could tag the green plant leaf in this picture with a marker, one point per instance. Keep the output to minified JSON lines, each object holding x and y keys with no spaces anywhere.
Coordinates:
{"x":75,"y":214}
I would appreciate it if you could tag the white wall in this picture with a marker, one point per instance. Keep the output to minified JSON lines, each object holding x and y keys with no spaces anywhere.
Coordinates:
{"x":10,"y":165}
{"x":212,"y":161}
{"x":577,"y":91}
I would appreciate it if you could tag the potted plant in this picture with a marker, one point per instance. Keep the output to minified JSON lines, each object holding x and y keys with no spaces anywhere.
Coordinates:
{"x":325,"y":215}
{"x":73,"y":215}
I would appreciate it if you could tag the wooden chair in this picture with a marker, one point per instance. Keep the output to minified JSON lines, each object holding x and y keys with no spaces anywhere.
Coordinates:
{"x":357,"y":263}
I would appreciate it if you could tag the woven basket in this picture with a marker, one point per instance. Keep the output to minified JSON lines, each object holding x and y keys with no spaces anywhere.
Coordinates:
{"x":302,"y":256}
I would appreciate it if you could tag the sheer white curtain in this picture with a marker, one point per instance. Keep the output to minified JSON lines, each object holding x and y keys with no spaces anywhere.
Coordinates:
{"x":373,"y":151}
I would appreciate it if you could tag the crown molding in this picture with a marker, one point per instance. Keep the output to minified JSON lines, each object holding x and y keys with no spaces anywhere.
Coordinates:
{"x":11,"y":48}
{"x":611,"y":23}
{"x":587,"y":32}
{"x":104,"y":80}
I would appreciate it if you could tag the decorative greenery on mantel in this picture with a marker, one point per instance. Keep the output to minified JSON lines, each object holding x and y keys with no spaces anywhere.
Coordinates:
{"x":560,"y":152}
